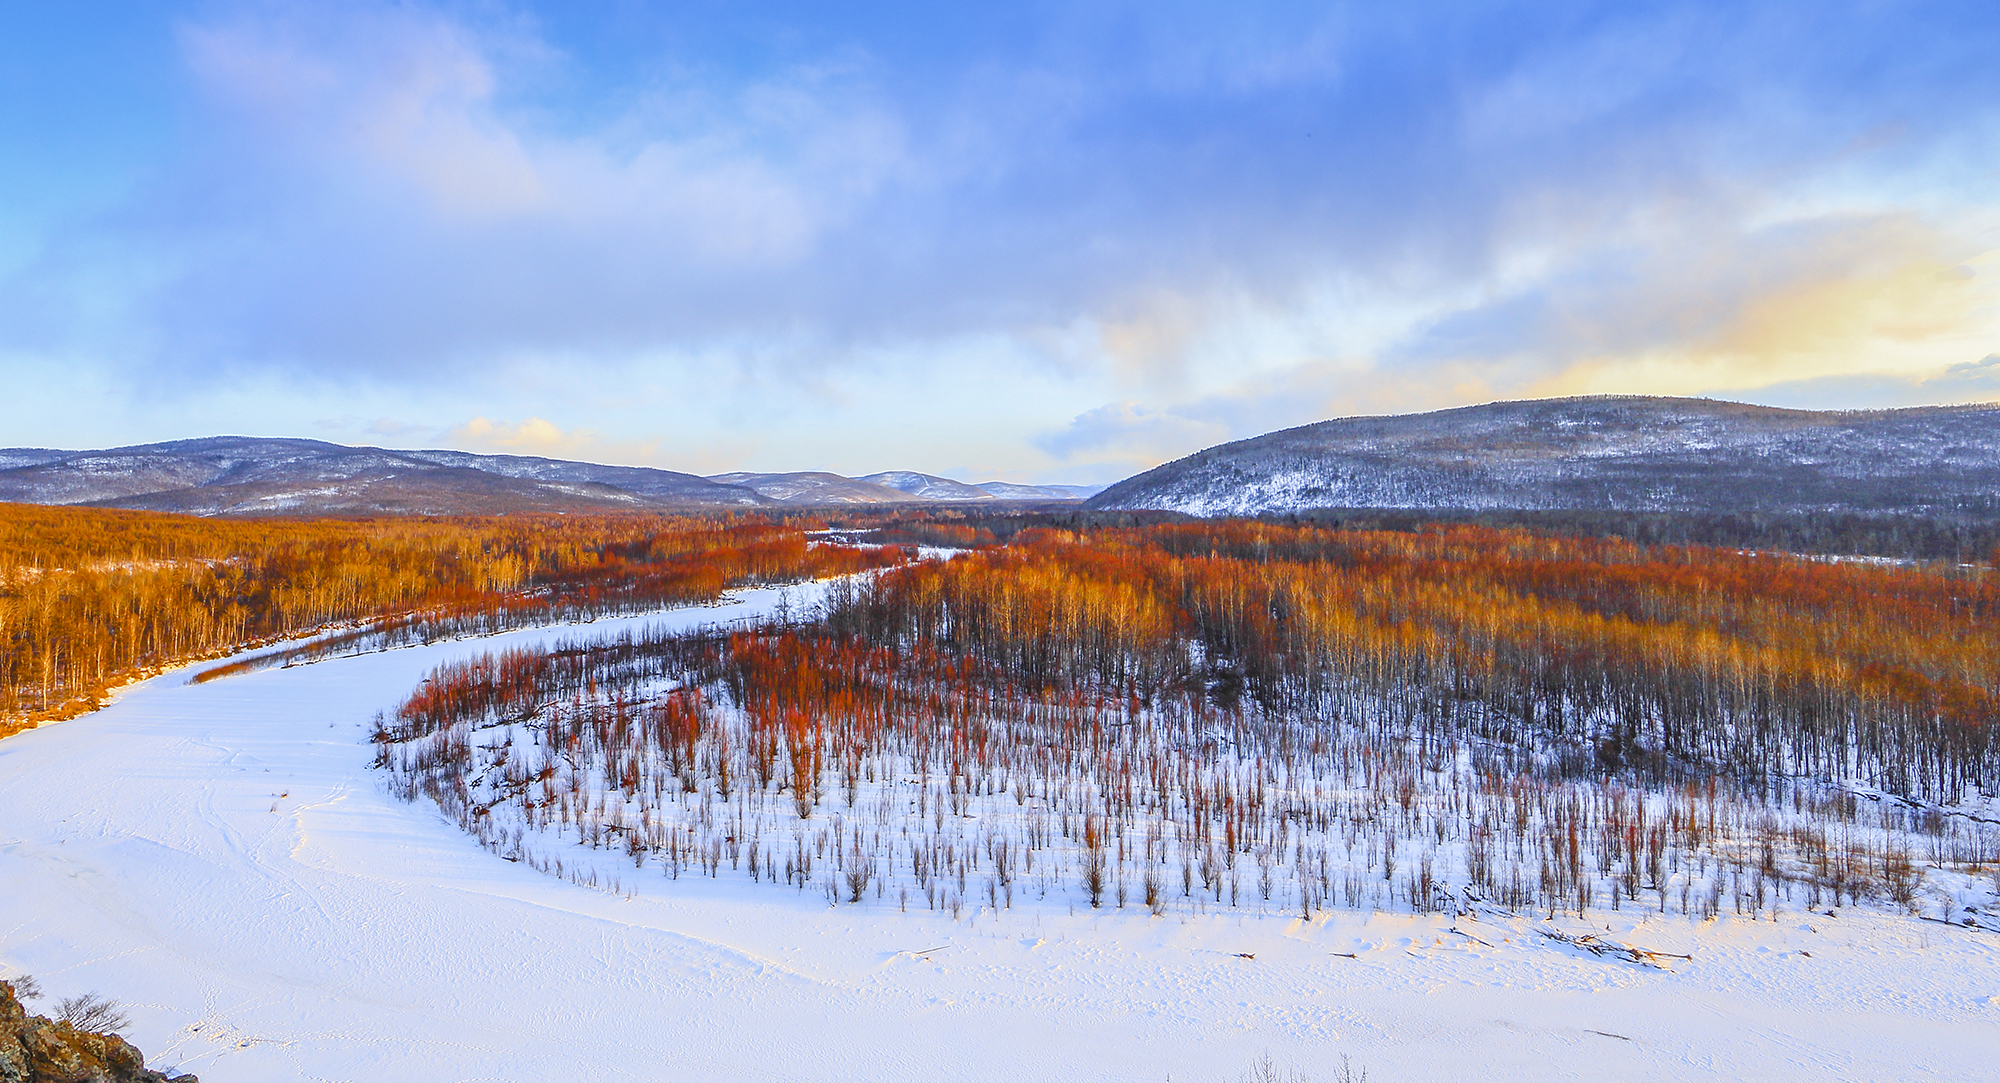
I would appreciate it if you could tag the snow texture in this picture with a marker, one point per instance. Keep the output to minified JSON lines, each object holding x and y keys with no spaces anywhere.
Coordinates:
{"x":221,"y":857}
{"x":233,"y":475}
{"x":1615,"y":453}
{"x":244,"y":475}
{"x":891,"y":487}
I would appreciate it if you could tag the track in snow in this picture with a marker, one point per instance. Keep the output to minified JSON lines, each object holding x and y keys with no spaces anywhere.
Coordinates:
{"x":220,"y":857}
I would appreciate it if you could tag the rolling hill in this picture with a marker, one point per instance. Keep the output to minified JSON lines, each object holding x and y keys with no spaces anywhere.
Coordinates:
{"x":1624,"y":453}
{"x":893,"y":487}
{"x":235,"y":475}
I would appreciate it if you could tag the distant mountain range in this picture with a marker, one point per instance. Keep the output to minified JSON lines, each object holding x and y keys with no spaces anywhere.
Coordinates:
{"x":892,"y":487}
{"x":1624,"y":453}
{"x":233,"y":475}
{"x":1615,"y":453}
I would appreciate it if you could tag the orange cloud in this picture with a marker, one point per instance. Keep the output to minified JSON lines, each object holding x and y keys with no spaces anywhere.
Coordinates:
{"x":538,"y":436}
{"x":1886,"y":300}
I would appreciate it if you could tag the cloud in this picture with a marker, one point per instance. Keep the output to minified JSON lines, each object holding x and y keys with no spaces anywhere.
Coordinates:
{"x":403,"y":432}
{"x":1152,"y":340}
{"x":1967,"y":381}
{"x":391,"y":207}
{"x":1159,"y":226}
{"x":1127,"y":432}
{"x":1979,"y":378}
{"x":394,"y":197}
{"x":1835,"y":311}
{"x":418,"y":110}
{"x":1136,"y":436}
{"x":540,"y":437}
{"x":1725,"y":303}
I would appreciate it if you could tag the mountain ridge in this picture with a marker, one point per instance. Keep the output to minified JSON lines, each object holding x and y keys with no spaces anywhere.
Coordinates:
{"x":242,"y":475}
{"x":1613,"y":453}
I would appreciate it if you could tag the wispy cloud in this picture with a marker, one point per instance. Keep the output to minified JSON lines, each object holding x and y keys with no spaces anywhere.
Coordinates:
{"x":1736,"y":304}
{"x":1126,"y":431}
{"x":1166,"y":225}
{"x":537,"y":436}
{"x":390,"y":204}
{"x":1967,"y":381}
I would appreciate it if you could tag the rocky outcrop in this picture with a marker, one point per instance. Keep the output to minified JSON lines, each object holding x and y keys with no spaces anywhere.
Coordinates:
{"x":36,"y":1049}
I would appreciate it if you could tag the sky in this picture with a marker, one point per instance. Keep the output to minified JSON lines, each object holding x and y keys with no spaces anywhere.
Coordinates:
{"x":1038,"y":242}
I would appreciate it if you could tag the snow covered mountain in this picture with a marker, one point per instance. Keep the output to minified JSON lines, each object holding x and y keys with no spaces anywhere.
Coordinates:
{"x":232,"y":475}
{"x":927,"y":486}
{"x":892,"y":486}
{"x":1007,"y":490}
{"x":932,"y":487}
{"x":236,"y":475}
{"x":1627,"y":453}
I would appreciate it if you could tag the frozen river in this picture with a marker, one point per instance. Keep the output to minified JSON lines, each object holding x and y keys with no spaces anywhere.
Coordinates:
{"x":221,"y":858}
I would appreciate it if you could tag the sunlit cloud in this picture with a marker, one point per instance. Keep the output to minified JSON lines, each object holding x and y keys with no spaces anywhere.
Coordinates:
{"x":397,"y":214}
{"x":417,"y":109}
{"x":1869,"y":300}
{"x":1060,"y":244}
{"x":1966,"y":382}
{"x":536,"y":436}
{"x":1128,"y":431}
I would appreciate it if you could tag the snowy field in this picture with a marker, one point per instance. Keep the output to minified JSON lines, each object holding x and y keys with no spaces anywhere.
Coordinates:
{"x":221,"y":858}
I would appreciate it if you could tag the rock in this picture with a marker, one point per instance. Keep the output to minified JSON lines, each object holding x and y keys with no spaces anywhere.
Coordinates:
{"x":36,"y":1049}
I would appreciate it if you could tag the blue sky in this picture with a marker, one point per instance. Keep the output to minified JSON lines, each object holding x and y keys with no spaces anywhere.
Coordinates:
{"x":1044,"y":242}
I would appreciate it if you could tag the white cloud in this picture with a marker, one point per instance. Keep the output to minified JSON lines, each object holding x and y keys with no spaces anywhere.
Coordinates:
{"x":1111,"y":242}
{"x":1965,"y":382}
{"x":1128,"y":432}
{"x":538,"y":436}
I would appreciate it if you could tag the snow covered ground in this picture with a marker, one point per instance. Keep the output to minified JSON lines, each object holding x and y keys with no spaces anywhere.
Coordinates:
{"x":220,"y":857}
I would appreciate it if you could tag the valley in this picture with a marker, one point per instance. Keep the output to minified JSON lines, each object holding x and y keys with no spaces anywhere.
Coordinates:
{"x":233,"y":869}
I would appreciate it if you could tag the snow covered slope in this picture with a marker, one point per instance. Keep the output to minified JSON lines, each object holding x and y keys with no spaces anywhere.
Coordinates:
{"x":891,"y":487}
{"x":814,"y":487}
{"x":236,"y":475}
{"x":222,"y":857}
{"x":927,"y":486}
{"x":1626,"y":453}
{"x":242,"y":475}
{"x":932,"y":487}
{"x":1009,"y":490}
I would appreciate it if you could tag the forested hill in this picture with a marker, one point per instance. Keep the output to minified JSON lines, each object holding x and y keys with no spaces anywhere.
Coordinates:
{"x":237,"y":475}
{"x":226,"y":475}
{"x":1627,"y":453}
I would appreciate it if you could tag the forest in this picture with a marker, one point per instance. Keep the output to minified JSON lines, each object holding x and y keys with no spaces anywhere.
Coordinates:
{"x":1962,"y":538}
{"x":1112,"y":710}
{"x":1279,"y":717}
{"x":91,"y":598}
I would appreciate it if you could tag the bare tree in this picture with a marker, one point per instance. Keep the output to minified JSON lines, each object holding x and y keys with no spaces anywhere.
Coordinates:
{"x":93,"y":1012}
